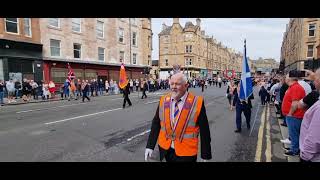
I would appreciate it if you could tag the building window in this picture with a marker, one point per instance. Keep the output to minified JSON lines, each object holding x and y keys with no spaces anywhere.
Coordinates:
{"x":76,"y":24}
{"x":188,"y":61}
{"x":12,"y":25}
{"x":27,"y":26}
{"x":121,"y":35}
{"x":55,"y":47}
{"x":188,"y":48}
{"x":54,"y":22}
{"x":149,"y":41}
{"x":76,"y":50}
{"x":167,"y":64}
{"x":100,"y":54}
{"x":312,"y":30}
{"x":166,"y":39}
{"x":121,"y":57}
{"x":134,"y":38}
{"x":100,"y":29}
{"x":149,"y":59}
{"x":134,"y":58}
{"x":133,"y":21}
{"x":166,"y":50}
{"x":310,"y":51}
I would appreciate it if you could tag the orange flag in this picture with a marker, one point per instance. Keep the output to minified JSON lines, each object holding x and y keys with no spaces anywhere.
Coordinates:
{"x":123,"y":80}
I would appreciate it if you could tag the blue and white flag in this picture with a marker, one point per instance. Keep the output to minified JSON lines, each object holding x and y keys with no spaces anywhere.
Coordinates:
{"x":246,"y":81}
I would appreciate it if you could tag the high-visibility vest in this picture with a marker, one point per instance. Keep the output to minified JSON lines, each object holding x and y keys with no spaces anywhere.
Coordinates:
{"x":186,"y":131}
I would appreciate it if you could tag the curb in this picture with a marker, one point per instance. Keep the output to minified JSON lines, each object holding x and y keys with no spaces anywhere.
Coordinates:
{"x":284,"y":134}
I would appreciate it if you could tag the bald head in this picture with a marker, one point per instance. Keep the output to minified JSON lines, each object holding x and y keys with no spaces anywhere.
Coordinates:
{"x":317,"y":80}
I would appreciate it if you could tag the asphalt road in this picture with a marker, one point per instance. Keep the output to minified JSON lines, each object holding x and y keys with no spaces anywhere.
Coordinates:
{"x":100,"y":130}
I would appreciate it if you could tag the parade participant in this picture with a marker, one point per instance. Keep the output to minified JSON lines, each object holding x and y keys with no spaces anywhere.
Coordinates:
{"x":219,"y":81}
{"x":230,"y":94}
{"x":263,"y":95}
{"x":177,"y":132}
{"x":107,"y":86}
{"x":242,"y":106}
{"x":144,"y":87}
{"x":85,"y":90}
{"x":46,"y":91}
{"x":126,"y":92}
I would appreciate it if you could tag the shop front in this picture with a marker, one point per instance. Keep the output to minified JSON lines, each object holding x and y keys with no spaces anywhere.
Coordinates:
{"x":57,"y":71}
{"x":19,"y":60}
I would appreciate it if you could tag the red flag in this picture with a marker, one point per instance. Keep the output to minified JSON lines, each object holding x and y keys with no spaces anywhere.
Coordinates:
{"x":71,"y":74}
{"x":123,"y":80}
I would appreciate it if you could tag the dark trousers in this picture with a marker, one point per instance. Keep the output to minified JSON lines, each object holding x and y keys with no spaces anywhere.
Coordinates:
{"x":247,"y":114}
{"x":220,"y":84}
{"x":171,"y":156}
{"x":84,"y":95}
{"x":34,"y":93}
{"x":202,"y":88}
{"x":263,"y":100}
{"x":126,"y":98}
{"x":144,"y":94}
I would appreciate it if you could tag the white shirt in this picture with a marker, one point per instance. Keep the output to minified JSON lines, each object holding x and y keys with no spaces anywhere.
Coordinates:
{"x":219,"y":80}
{"x":180,"y":106}
{"x":306,"y":86}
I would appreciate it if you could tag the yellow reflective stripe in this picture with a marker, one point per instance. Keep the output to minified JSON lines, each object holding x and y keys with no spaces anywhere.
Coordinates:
{"x":188,"y":136}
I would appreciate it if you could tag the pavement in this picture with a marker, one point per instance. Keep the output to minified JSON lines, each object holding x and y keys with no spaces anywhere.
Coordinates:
{"x":100,"y":130}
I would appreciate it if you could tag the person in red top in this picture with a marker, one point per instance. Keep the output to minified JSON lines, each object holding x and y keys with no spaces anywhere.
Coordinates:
{"x":292,"y":114}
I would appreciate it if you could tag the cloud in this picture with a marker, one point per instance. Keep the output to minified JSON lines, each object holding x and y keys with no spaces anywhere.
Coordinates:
{"x":264,"y":35}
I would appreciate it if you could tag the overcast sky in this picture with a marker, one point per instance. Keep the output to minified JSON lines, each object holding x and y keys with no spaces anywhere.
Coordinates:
{"x":264,"y":35}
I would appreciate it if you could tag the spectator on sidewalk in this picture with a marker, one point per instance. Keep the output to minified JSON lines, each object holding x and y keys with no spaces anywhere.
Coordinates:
{"x":1,"y":92}
{"x":283,"y":90}
{"x":34,"y":89}
{"x":309,"y":133}
{"x":52,"y":89}
{"x":18,"y":87}
{"x":292,"y":114}
{"x":46,"y":91}
{"x":78,"y":91}
{"x":107,"y":86}
{"x":92,"y":85}
{"x":131,"y":85}
{"x":11,"y":90}
{"x":100,"y":84}
{"x":137,"y":85}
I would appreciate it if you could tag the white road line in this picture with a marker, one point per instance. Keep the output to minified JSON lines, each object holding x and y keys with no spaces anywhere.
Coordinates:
{"x":209,"y":103}
{"x":115,"y":99}
{"x":145,"y":132}
{"x":151,"y":102}
{"x":268,"y":136}
{"x":260,"y":136}
{"x":31,"y":110}
{"x":77,"y":117}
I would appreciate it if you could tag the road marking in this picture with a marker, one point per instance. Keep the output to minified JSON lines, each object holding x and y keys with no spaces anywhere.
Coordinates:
{"x":115,"y":99}
{"x":255,"y":119}
{"x":77,"y":117}
{"x":260,"y":136}
{"x":145,"y":132}
{"x":268,"y":148}
{"x":31,"y":110}
{"x":151,"y":102}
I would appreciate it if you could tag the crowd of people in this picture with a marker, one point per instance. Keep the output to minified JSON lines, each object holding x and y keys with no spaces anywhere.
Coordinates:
{"x":297,"y":102}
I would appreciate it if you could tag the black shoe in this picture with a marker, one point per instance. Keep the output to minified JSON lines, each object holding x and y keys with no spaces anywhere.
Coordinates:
{"x":277,"y":112}
{"x":283,"y":124}
{"x":286,"y":149}
{"x":290,"y":153}
{"x":123,"y":107}
{"x":238,"y":131}
{"x":130,"y":105}
{"x":248,"y":126}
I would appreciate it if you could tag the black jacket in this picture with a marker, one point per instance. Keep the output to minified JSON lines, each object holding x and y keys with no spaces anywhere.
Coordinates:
{"x":205,"y":137}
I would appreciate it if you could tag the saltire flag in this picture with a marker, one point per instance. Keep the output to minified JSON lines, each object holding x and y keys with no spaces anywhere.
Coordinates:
{"x":246,"y":81}
{"x":123,"y":80}
{"x":71,"y":74}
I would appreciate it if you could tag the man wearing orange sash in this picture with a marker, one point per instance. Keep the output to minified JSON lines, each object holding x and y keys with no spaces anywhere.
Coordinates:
{"x":179,"y":119}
